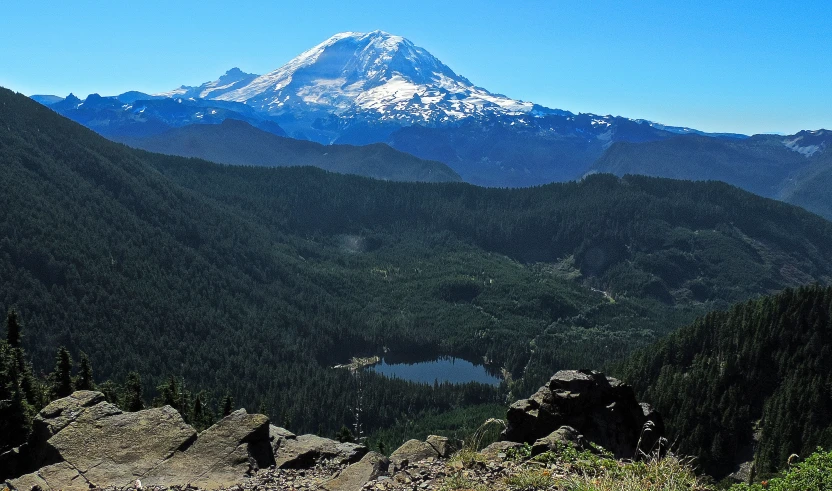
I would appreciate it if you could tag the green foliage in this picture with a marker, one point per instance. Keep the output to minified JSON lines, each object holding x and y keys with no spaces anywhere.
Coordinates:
{"x":764,"y":366}
{"x":458,"y":482}
{"x":227,"y":405}
{"x":255,"y":281}
{"x":344,"y":435}
{"x":84,"y":381}
{"x":21,"y":394}
{"x":132,"y":396}
{"x":813,"y":474}
{"x":15,"y":419}
{"x":580,"y":461}
{"x":666,"y":474}
{"x":531,"y":480}
{"x":13,"y":329}
{"x":761,"y":164}
{"x":522,"y":452}
{"x":62,"y":384}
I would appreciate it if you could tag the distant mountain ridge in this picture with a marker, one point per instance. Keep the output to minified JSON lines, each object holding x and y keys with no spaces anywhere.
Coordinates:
{"x":361,"y":88}
{"x":794,"y":168}
{"x":135,"y":114}
{"x":236,"y":142}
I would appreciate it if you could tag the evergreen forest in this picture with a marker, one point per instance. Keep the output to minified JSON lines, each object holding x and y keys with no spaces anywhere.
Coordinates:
{"x":754,"y":381}
{"x":252,"y":282}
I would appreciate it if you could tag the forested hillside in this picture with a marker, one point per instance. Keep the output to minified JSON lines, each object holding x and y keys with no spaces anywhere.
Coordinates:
{"x":238,"y":143}
{"x":759,"y":371}
{"x":256,"y":280}
{"x":796,"y":169}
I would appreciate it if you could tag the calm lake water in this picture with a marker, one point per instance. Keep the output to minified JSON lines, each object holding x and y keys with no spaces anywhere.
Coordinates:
{"x":453,"y":370}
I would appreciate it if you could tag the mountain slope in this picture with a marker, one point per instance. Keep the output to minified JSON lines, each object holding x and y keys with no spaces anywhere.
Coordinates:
{"x":256,"y":280}
{"x":137,"y":115}
{"x":760,"y":371}
{"x":238,"y":143}
{"x":769,"y":165}
{"x":522,"y":153}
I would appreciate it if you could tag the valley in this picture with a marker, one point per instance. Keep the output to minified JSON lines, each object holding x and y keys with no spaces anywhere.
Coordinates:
{"x":360,"y":270}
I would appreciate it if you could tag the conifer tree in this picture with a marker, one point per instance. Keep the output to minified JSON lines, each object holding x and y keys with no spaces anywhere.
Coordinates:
{"x":198,"y":416}
{"x":168,"y":394}
{"x":13,"y":329}
{"x":133,"y":393}
{"x":227,"y":406}
{"x":15,"y":420}
{"x":84,"y":380}
{"x":62,"y":375}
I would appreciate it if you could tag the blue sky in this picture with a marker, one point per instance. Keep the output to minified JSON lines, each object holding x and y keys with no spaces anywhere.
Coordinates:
{"x":740,"y":66}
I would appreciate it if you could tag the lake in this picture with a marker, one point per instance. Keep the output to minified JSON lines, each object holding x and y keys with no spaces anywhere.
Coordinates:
{"x":452,"y":370}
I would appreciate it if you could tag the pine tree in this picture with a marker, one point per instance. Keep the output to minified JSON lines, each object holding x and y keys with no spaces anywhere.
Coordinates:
{"x":133,"y":393}
{"x":198,"y":414}
{"x":169,"y":395}
{"x":84,"y":380}
{"x":13,"y":329}
{"x":227,"y":406}
{"x":15,"y":420}
{"x":62,"y":375}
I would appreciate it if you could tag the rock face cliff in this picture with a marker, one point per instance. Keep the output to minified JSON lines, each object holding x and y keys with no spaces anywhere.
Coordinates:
{"x":586,"y":407}
{"x":82,"y":441}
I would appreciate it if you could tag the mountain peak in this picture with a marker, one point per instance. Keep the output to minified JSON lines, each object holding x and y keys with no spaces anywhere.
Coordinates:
{"x":368,"y":76}
{"x":229,"y":81}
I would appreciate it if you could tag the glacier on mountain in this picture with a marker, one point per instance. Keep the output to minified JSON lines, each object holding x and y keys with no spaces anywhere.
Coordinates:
{"x":375,"y":76}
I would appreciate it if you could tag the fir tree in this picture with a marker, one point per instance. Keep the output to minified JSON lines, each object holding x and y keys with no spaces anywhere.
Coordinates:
{"x":198,"y":414}
{"x":133,"y":393}
{"x":227,"y":406}
{"x":13,"y":329}
{"x":169,"y":395}
{"x":15,"y":420}
{"x":62,"y":375}
{"x":84,"y":380}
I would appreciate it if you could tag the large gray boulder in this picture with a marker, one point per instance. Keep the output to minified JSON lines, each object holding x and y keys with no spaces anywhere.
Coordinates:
{"x":354,"y":477}
{"x":52,"y":477}
{"x":412,"y":451}
{"x":601,"y":409}
{"x":221,"y":456}
{"x":499,"y":450}
{"x":278,"y":437}
{"x":565,"y":435}
{"x":109,"y":447}
{"x":443,"y":445}
{"x":81,"y":441}
{"x":304,"y":451}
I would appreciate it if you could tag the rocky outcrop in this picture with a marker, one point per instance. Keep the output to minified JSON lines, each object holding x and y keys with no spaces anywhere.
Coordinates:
{"x":599,"y":409}
{"x":499,"y":450}
{"x":565,"y":435}
{"x":412,"y":451}
{"x":443,"y":445}
{"x":304,"y":451}
{"x":354,"y":477}
{"x":222,"y":455}
{"x":81,"y":441}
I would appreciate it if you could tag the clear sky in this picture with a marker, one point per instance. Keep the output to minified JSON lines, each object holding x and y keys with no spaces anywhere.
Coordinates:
{"x":738,"y":66}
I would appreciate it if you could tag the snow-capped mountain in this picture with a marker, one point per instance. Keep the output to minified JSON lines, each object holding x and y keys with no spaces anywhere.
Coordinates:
{"x":231,"y":80}
{"x":375,"y":76}
{"x":361,"y":88}
{"x":809,"y":143}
